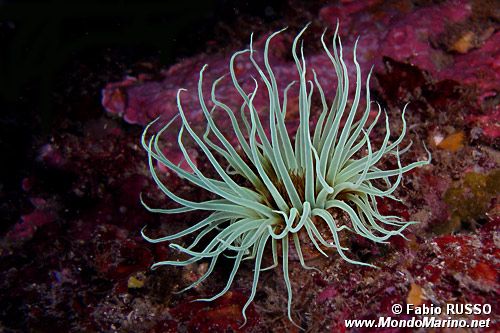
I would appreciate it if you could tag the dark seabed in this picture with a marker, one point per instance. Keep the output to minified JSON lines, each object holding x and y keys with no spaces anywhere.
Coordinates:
{"x":80,"y":82}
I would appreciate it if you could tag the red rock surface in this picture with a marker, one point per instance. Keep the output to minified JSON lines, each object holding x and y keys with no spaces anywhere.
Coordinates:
{"x":400,"y":32}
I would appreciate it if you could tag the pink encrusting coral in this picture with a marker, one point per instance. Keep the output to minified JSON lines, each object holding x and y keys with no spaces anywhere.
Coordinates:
{"x":141,"y":101}
{"x":398,"y":32}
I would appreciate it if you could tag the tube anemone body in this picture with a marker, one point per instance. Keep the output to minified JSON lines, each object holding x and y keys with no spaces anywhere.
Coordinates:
{"x":291,"y":185}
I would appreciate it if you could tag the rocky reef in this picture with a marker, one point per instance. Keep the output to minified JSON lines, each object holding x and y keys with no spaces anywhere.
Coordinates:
{"x":74,"y":259}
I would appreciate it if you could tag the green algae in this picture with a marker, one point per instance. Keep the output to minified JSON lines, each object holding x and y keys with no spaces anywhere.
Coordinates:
{"x":469,"y":199}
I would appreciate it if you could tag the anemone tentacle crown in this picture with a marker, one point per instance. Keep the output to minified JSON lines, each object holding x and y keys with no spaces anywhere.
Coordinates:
{"x":291,"y":184}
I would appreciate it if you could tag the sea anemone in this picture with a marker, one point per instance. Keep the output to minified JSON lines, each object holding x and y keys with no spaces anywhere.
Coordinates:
{"x":271,"y":187}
